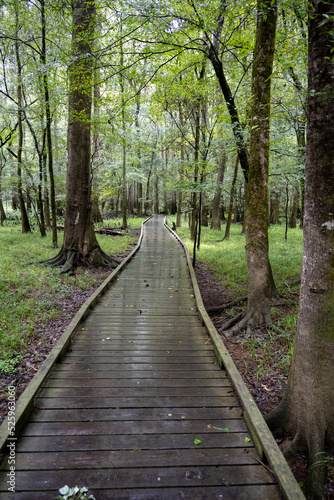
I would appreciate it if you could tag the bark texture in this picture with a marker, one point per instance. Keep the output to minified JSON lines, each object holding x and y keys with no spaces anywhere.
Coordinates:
{"x":80,"y":244}
{"x":306,"y":410}
{"x":257,"y":245}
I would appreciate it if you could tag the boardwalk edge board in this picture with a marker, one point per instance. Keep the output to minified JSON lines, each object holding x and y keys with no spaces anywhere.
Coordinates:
{"x":25,"y":404}
{"x":263,"y":439}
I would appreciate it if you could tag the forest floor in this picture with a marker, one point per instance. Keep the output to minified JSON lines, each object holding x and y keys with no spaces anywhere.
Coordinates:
{"x":263,"y":374}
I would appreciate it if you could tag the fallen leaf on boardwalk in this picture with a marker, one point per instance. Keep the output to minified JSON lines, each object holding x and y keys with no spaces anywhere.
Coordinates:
{"x":247,"y":440}
{"x":226,"y":430}
{"x":198,"y":441}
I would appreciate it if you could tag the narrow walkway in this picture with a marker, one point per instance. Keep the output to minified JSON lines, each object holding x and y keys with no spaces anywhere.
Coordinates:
{"x":139,"y":409}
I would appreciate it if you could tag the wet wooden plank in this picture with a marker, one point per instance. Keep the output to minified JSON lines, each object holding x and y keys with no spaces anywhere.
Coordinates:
{"x":121,"y":383}
{"x":131,"y":442}
{"x":136,"y":427}
{"x":122,"y":373}
{"x":139,"y":391}
{"x":165,"y":477}
{"x":244,"y":492}
{"x":141,"y":402}
{"x":118,"y":459}
{"x":110,"y":414}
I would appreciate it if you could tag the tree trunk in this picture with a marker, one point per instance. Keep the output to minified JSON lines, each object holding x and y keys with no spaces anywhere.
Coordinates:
{"x":274,"y":208}
{"x":80,"y":244}
{"x":124,"y":186}
{"x":48,"y":128}
{"x":96,"y":214}
{"x":294,"y":209}
{"x":193,"y":213}
{"x":46,"y":195}
{"x":230,"y":208}
{"x":306,"y":410}
{"x":216,"y":204}
{"x":2,"y":210}
{"x":24,"y":216}
{"x":257,"y":245}
{"x":140,"y":199}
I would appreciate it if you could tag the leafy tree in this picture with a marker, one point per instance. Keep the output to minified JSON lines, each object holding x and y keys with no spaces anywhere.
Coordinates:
{"x":80,"y":242}
{"x":306,"y":410}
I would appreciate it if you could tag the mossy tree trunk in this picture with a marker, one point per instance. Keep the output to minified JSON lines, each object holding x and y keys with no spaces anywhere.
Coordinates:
{"x":306,"y":410}
{"x":80,"y":244}
{"x":257,"y":245}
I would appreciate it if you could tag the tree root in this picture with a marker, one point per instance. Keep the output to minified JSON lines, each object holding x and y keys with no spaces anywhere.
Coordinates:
{"x":231,"y":322}
{"x":216,"y":309}
{"x":241,"y":325}
{"x":68,"y":259}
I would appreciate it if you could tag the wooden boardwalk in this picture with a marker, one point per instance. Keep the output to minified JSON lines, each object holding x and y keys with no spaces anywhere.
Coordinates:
{"x":122,"y":413}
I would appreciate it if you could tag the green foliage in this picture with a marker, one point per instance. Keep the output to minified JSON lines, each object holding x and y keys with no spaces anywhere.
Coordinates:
{"x":33,"y":294}
{"x":326,"y":461}
{"x":228,"y":259}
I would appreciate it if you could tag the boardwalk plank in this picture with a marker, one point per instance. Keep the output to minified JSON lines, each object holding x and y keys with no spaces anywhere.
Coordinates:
{"x":210,"y":442}
{"x":244,"y":492}
{"x":108,"y":478}
{"x":134,"y":427}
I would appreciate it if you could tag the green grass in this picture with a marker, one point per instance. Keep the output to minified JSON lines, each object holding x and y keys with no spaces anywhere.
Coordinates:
{"x":32,"y":294}
{"x":228,"y":259}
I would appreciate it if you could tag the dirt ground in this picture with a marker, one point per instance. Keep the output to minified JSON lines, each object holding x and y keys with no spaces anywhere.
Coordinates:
{"x":265,"y":386}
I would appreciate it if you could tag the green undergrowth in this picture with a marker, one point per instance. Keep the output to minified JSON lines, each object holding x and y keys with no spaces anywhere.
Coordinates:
{"x":31,"y":293}
{"x":133,"y":223}
{"x":227,"y":259}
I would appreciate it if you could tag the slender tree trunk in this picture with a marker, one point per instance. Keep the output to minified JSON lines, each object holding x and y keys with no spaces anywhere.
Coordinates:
{"x":140,"y":199}
{"x":96,"y":214}
{"x":274,"y":208}
{"x":216,"y":204}
{"x":306,"y":410}
{"x":237,"y":128}
{"x":230,"y":208}
{"x":24,"y":216}
{"x":124,"y":187}
{"x":46,"y":194}
{"x":2,"y":210}
{"x":257,"y":244}
{"x":193,"y":213}
{"x":48,"y":129}
{"x":294,"y":209}
{"x":156,"y":195}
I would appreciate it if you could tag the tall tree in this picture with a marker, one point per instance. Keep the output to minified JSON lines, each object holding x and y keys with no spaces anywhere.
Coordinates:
{"x":257,"y":245}
{"x":80,"y":242}
{"x":20,"y":114}
{"x":48,"y":126}
{"x":306,"y":410}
